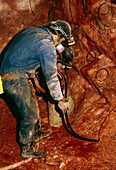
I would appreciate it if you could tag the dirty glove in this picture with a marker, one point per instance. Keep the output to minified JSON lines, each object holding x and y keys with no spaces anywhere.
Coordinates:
{"x":63,"y":105}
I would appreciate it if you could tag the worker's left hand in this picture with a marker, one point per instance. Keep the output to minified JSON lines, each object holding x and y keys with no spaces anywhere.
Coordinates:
{"x":63,"y":105}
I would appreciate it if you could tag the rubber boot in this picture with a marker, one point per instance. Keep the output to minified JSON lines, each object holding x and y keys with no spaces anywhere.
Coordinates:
{"x":29,"y":151}
{"x":42,"y":134}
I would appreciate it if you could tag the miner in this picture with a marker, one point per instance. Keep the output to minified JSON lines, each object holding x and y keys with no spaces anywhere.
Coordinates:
{"x":30,"y":49}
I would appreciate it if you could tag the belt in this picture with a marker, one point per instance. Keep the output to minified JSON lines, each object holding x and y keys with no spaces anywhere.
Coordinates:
{"x":11,"y":76}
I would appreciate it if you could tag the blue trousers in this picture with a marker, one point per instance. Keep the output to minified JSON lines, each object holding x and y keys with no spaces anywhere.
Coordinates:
{"x":20,"y":92}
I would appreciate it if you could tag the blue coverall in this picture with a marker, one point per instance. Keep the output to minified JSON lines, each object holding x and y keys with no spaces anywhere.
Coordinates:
{"x":30,"y":49}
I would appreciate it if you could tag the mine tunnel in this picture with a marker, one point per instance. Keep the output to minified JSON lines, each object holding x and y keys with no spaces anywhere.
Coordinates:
{"x":90,"y":83}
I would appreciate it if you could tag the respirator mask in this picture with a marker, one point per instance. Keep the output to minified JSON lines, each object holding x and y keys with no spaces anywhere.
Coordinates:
{"x":66,"y":57}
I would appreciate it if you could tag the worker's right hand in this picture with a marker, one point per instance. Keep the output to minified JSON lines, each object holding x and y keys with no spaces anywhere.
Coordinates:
{"x":63,"y":105}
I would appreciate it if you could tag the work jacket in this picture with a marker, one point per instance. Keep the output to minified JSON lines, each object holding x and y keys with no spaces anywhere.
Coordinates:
{"x":31,"y":48}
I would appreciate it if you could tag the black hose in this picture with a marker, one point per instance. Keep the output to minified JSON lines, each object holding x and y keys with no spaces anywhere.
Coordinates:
{"x":68,"y":127}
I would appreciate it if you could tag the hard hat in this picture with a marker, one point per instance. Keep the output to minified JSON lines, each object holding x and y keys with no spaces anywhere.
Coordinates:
{"x":63,"y":28}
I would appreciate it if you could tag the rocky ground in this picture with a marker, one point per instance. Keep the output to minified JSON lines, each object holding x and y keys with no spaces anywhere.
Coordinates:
{"x":65,"y":151}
